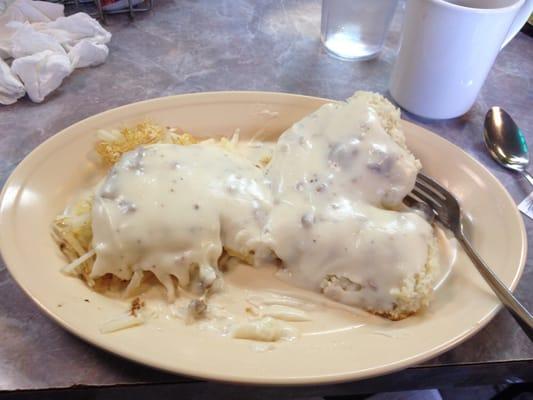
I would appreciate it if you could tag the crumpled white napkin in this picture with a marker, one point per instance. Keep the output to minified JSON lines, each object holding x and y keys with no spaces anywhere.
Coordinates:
{"x":87,"y":53}
{"x":11,"y":89}
{"x":24,"y":11}
{"x":71,"y":29}
{"x":32,"y":11}
{"x":46,"y":47}
{"x":26,"y":41}
{"x":42,"y":73}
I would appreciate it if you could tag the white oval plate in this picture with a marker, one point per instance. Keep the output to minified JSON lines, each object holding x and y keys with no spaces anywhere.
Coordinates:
{"x":43,"y":183}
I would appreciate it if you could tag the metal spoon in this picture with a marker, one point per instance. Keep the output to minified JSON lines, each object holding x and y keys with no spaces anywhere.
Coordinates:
{"x":506,"y":142}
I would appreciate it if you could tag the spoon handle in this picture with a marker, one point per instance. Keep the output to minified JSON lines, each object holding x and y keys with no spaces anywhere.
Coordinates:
{"x":517,"y":310}
{"x":528,"y":176}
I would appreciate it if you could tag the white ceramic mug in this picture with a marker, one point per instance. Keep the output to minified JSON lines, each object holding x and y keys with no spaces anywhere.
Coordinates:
{"x":447,"y":50}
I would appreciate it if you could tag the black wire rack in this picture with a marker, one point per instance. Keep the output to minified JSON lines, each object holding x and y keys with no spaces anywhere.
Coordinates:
{"x":96,"y":9}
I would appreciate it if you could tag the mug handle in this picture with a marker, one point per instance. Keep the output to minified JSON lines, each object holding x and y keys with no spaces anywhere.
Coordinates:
{"x":519,"y":21}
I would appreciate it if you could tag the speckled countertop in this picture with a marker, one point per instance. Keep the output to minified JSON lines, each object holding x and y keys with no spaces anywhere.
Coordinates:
{"x":193,"y":46}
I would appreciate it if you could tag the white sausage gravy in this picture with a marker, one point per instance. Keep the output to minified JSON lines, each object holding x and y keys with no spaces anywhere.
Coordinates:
{"x":327,"y":206}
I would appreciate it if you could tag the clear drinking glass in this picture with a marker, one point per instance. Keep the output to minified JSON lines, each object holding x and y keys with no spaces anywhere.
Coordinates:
{"x":355,"y":29}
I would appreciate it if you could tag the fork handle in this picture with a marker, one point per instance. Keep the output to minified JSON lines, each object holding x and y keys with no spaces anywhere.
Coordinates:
{"x":517,"y":310}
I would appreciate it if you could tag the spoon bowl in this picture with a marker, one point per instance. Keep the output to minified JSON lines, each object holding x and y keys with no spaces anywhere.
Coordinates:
{"x":506,"y":142}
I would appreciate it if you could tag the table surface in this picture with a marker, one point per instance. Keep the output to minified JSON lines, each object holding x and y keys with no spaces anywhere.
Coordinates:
{"x":194,"y":46}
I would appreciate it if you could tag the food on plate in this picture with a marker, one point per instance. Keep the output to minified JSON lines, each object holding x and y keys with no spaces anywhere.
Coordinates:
{"x":265,"y":329}
{"x":338,"y":178}
{"x":170,"y":210}
{"x":324,"y":203}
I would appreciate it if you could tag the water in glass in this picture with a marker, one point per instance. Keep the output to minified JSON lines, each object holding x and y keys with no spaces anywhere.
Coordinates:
{"x":355,"y":29}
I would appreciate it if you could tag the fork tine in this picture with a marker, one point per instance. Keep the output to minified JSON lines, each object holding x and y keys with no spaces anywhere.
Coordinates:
{"x":416,"y":204}
{"x":433,"y":184}
{"x":429,"y":190}
{"x":410,"y":201}
{"x":426,"y":198}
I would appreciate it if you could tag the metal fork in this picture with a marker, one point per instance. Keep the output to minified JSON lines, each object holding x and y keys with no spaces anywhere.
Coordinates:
{"x":446,"y":210}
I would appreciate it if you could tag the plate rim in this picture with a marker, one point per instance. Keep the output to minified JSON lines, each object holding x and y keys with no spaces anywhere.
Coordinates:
{"x":6,"y":255}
